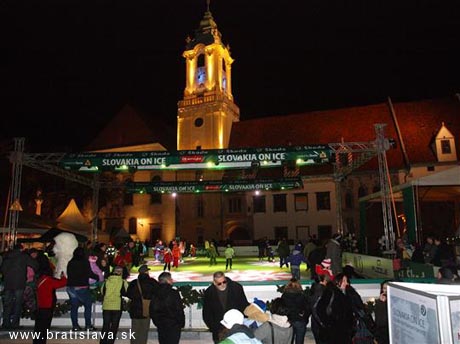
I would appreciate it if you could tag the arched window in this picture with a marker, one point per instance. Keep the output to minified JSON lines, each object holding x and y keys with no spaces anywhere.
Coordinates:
{"x":155,"y":197}
{"x":200,"y":61}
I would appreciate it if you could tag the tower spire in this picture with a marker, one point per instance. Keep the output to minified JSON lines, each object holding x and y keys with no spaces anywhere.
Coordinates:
{"x":208,"y":2}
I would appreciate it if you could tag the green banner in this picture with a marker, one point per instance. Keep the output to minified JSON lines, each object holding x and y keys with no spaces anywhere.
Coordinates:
{"x":213,"y":186}
{"x":415,"y":270}
{"x":200,"y":159}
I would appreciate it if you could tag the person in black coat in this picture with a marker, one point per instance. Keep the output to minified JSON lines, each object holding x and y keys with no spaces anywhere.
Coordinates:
{"x":382,"y":335}
{"x":364,"y":323}
{"x":444,"y":254}
{"x":332,"y":315}
{"x":222,"y":295}
{"x":140,"y":324}
{"x":167,"y":311}
{"x":14,"y":270}
{"x":299,"y":309}
{"x":78,"y":274}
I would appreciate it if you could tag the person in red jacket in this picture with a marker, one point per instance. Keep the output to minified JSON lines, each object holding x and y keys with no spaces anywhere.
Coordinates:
{"x":176,"y":255}
{"x":46,"y":297}
{"x":167,"y":258}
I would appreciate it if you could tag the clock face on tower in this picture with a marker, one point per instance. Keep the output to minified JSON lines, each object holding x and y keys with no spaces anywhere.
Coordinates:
{"x":201,"y":75}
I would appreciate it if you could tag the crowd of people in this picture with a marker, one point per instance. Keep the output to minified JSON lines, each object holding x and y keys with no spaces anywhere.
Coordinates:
{"x":332,"y":307}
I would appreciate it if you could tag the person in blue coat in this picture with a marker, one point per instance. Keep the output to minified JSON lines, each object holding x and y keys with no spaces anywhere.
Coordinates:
{"x":295,"y":259}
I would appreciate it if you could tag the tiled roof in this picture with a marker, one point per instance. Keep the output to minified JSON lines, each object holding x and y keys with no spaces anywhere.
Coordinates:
{"x":418,"y":121}
{"x":131,"y":127}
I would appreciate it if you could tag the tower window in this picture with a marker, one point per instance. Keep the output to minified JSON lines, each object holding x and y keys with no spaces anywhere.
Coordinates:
{"x":200,"y":61}
{"x":199,"y":122}
{"x":445,"y":147}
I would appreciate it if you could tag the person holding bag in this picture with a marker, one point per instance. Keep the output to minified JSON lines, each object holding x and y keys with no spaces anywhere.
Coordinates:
{"x":140,"y":292}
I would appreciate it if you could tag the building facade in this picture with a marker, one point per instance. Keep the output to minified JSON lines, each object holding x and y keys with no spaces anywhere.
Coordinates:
{"x":425,"y":135}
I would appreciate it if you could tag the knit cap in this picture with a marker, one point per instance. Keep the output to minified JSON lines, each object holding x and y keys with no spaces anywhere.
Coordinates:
{"x":326,"y":263}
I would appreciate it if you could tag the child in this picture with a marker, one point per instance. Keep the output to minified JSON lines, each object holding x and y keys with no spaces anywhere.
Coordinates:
{"x":229,"y":253}
{"x":167,"y":258}
{"x":270,"y":253}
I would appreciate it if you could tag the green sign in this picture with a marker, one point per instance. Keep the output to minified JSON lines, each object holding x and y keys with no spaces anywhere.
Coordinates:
{"x":200,"y":159}
{"x":213,"y":186}
{"x":415,"y":270}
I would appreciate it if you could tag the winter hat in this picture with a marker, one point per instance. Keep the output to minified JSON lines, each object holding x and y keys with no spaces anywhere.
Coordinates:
{"x":326,"y":263}
{"x":232,"y":317}
{"x":260,"y":304}
{"x":298,"y":247}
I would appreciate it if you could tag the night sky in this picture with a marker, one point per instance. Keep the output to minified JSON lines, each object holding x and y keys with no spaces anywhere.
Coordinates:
{"x":68,"y":66}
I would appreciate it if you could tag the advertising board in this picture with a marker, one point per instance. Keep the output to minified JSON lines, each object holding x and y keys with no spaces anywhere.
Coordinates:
{"x":413,"y":317}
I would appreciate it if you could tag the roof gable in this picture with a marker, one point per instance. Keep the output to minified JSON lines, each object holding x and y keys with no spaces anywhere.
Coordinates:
{"x":130,"y":127}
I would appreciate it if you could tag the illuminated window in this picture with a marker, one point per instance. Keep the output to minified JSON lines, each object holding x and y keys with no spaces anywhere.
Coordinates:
{"x":323,"y":201}
{"x":279,"y":203}
{"x":301,"y":202}
{"x":258,"y":203}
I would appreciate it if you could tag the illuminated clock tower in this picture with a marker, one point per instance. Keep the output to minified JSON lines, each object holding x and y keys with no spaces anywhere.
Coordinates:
{"x":207,"y":111}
